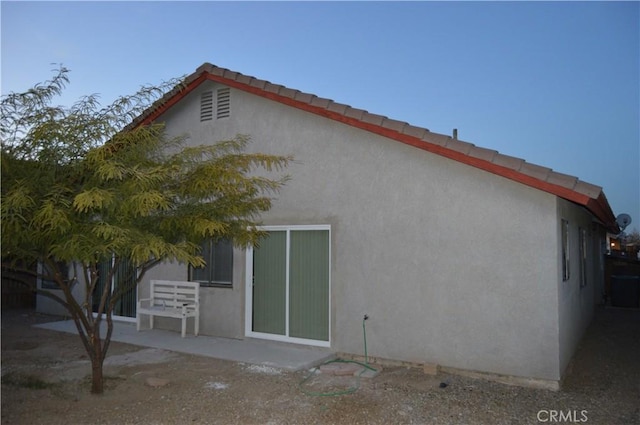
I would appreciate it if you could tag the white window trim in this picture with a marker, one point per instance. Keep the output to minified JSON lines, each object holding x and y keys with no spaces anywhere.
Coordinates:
{"x":249,"y":290}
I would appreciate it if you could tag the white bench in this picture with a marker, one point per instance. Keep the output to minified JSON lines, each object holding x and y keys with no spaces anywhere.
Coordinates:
{"x":171,"y":299}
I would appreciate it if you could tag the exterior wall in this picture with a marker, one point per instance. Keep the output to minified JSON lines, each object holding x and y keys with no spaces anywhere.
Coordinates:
{"x":47,"y":305}
{"x":576,"y":304}
{"x":221,"y":309}
{"x":453,"y":265}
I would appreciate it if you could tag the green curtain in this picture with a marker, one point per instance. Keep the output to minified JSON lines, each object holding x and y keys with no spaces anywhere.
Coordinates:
{"x":269,"y":284}
{"x":309,"y":284}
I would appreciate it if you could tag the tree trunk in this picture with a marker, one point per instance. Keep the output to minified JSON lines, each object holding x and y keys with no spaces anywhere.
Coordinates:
{"x":97,"y":381}
{"x":97,"y":359}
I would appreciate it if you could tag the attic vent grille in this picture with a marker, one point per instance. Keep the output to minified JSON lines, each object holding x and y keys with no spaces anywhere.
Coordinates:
{"x":206,"y":106}
{"x":224,"y":103}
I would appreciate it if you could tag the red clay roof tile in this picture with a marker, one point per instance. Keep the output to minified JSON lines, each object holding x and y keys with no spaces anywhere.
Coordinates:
{"x":303,"y":97}
{"x":337,"y":107}
{"x":563,"y":180}
{"x":483,"y":153}
{"x":508,"y":161}
{"x":355,"y":113}
{"x":536,"y":171}
{"x":230,"y":74}
{"x":287,"y":92}
{"x":588,"y":189}
{"x":244,"y":79}
{"x":394,"y":125}
{"x":273,"y":88}
{"x":321,"y":102}
{"x":374,"y":119}
{"x":460,"y":146}
{"x":414,"y":131}
{"x":436,"y":139}
{"x":261,"y":84}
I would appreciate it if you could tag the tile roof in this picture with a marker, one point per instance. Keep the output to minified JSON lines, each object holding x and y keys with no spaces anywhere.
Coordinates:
{"x":567,"y":187}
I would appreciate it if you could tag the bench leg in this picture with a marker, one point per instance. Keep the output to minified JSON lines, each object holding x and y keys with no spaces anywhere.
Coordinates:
{"x":197,"y":324}
{"x":184,"y":326}
{"x":151,"y":321}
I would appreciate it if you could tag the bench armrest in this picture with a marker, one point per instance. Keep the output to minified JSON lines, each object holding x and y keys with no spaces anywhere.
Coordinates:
{"x":192,"y":305}
{"x":143,"y":300}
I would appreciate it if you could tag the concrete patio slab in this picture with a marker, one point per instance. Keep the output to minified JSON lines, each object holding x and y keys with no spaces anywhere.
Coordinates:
{"x":252,"y":351}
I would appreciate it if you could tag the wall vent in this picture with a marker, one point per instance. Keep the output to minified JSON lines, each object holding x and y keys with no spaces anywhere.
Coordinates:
{"x":223,"y":109}
{"x":206,"y":106}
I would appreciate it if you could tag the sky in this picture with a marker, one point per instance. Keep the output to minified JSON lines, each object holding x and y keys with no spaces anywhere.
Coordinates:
{"x":554,"y":83}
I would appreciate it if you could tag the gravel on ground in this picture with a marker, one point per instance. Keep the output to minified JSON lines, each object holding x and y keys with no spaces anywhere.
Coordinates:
{"x":45,"y":380}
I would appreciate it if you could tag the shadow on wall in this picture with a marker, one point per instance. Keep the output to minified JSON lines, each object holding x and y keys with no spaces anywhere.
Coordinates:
{"x":15,"y":293}
{"x":622,"y":281}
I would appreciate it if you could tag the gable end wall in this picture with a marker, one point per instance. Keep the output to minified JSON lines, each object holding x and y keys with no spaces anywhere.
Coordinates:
{"x":453,"y":265}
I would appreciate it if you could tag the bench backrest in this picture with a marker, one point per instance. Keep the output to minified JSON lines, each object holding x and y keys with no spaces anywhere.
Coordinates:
{"x":174,"y":294}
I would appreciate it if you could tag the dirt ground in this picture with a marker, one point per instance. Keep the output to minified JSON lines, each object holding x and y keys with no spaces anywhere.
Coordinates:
{"x":45,"y":381}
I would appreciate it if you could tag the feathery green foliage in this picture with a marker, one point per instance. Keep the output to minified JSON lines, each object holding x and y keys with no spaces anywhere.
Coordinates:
{"x":81,"y":186}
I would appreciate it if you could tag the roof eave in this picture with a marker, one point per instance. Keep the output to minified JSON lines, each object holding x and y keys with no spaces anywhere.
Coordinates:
{"x":396,"y":130}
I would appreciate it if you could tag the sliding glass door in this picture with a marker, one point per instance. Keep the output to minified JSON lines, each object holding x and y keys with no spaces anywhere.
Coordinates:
{"x":289,"y":285}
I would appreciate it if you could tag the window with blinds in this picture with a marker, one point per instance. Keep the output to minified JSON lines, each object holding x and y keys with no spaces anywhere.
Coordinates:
{"x":219,"y":269}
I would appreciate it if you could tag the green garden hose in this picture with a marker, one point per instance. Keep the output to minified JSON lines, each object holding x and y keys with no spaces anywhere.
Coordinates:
{"x":350,"y":390}
{"x":364,"y":332}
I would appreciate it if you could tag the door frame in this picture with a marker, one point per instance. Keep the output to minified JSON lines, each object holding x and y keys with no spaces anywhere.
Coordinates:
{"x":248,"y":321}
{"x":134,"y":290}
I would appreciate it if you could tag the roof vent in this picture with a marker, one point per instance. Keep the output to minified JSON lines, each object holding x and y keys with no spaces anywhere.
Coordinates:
{"x":224,"y":103}
{"x":206,"y":106}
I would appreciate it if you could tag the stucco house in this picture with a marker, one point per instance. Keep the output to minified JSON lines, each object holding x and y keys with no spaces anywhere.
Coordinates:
{"x":459,"y":255}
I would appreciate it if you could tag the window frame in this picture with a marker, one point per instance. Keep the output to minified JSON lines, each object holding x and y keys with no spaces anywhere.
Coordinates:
{"x":50,"y":284}
{"x":249,"y":275}
{"x":209,"y":256}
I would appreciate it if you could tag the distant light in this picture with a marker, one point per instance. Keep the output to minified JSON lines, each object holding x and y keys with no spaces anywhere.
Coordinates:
{"x":613,"y":244}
